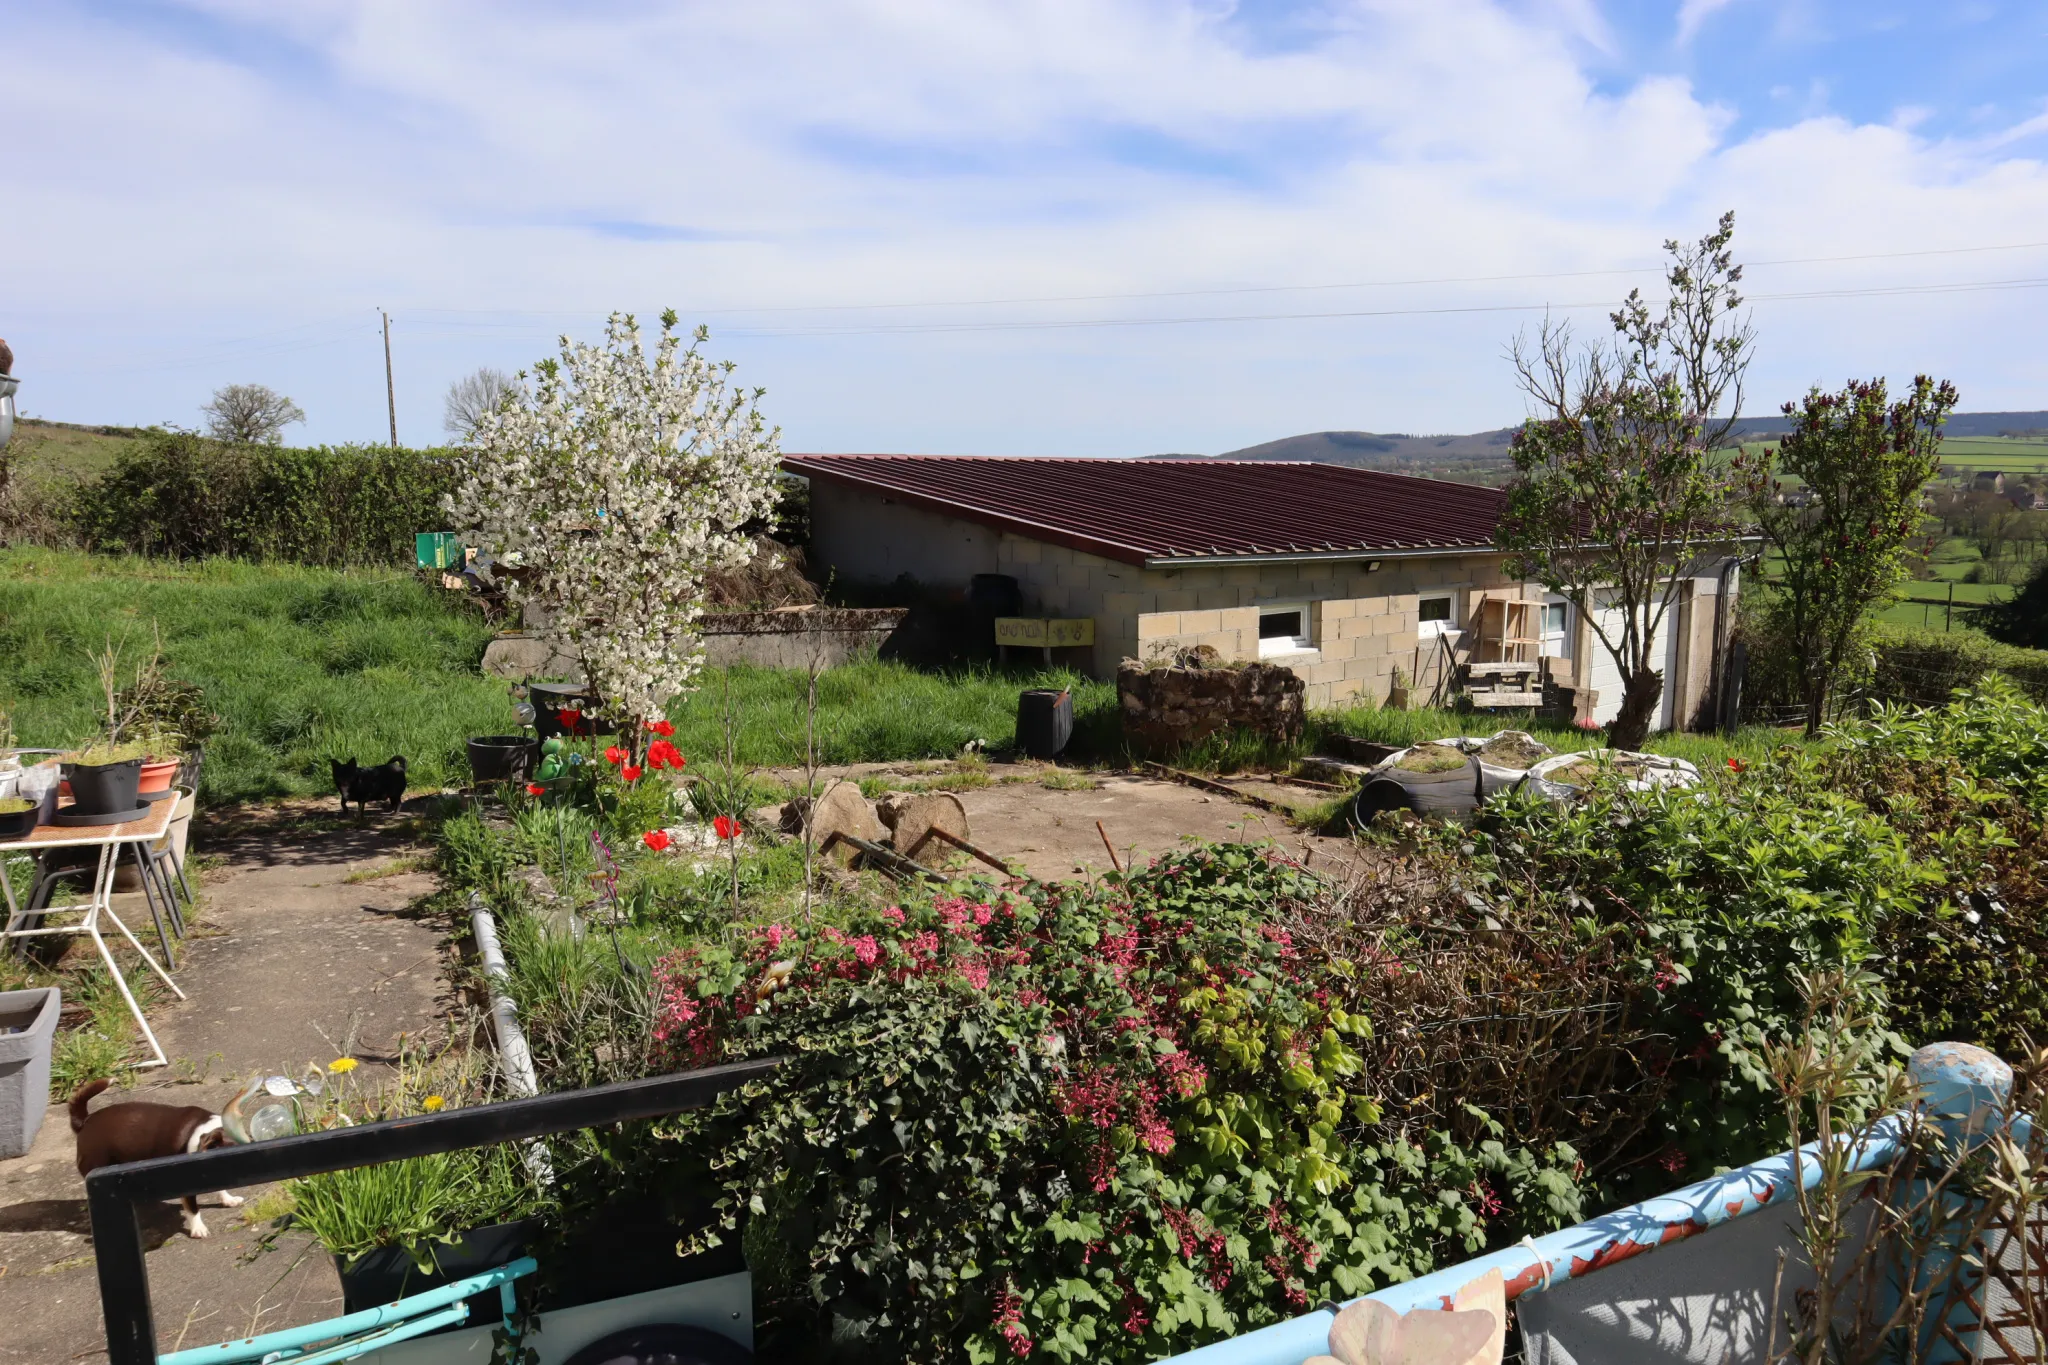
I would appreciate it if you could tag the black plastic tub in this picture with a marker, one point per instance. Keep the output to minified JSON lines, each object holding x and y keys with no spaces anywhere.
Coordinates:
{"x":503,"y":758}
{"x":1045,"y":722}
{"x":104,"y":788}
{"x":389,"y":1274}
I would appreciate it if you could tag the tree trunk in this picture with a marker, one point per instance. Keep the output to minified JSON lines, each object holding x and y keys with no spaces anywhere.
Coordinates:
{"x":1639,"y":698}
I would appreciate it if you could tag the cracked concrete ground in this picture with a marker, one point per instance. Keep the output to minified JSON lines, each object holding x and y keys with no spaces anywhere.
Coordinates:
{"x":307,"y":948}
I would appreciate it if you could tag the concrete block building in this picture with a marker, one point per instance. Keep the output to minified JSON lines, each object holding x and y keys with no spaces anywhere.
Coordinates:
{"x":1350,"y":577}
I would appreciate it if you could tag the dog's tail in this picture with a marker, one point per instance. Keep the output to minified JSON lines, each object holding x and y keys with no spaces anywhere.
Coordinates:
{"x":84,"y":1098}
{"x":398,"y":763}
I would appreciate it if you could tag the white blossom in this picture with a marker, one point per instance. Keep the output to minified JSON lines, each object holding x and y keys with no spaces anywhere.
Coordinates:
{"x":617,"y":484}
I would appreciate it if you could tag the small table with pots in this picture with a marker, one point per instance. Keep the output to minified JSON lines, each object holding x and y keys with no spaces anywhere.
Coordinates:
{"x":108,"y":840}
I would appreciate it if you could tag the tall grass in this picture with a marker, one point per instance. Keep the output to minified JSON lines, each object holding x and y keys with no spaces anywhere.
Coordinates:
{"x":875,"y":711}
{"x":302,"y":664}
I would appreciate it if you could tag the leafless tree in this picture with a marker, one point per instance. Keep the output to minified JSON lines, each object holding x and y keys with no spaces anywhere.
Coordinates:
{"x":249,"y":414}
{"x":470,"y":397}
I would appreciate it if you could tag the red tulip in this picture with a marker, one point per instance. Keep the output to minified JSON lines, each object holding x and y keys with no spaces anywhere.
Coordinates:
{"x":1735,"y":765}
{"x":535,"y":789}
{"x":630,"y":773}
{"x":615,"y":755}
{"x":661,"y":727}
{"x":725,"y":827}
{"x":656,"y":839}
{"x":571,"y":717}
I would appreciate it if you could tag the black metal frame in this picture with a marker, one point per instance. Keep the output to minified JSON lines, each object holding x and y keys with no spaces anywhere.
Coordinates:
{"x":113,"y":1191}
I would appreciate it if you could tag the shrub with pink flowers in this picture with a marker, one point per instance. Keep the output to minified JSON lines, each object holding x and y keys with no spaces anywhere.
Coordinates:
{"x":1063,"y":1122}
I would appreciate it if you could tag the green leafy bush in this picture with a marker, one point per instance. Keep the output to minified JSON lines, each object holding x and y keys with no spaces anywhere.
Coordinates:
{"x":1924,"y":667}
{"x":180,"y":495}
{"x":1105,"y":1123}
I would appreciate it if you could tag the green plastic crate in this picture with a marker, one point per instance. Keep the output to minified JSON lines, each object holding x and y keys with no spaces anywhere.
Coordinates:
{"x":438,"y":550}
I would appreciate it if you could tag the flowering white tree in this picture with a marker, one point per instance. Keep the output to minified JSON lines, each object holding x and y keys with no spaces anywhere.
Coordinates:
{"x":616,"y":484}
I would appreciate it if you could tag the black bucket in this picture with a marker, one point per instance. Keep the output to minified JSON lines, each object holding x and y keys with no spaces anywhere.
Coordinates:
{"x":1045,"y":722}
{"x":104,"y":788}
{"x":387,"y":1274}
{"x":503,"y":758}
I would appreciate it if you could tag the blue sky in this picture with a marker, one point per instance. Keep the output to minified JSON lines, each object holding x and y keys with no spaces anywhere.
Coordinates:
{"x":1073,"y":226}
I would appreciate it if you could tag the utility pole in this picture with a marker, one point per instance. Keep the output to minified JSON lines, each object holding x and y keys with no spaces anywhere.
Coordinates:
{"x":390,"y":393}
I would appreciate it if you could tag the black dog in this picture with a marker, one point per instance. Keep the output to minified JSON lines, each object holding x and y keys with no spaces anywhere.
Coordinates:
{"x":385,"y":782}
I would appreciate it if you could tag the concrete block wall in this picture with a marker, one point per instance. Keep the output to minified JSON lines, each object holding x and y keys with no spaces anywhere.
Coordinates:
{"x":1363,"y":624}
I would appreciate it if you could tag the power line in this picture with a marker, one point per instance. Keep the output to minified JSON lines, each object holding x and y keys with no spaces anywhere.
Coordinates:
{"x":1254,"y":289}
{"x":1086,"y":323}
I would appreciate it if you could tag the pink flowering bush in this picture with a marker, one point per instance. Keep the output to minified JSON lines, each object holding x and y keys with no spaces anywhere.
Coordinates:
{"x":1065,"y":1123}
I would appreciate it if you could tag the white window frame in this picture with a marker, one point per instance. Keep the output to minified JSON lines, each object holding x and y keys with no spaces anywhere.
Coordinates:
{"x":1303,"y":643}
{"x":1564,"y":636}
{"x":1429,"y":630}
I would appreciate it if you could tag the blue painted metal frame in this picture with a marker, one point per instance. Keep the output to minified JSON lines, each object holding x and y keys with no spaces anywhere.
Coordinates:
{"x":371,"y":1328}
{"x":1569,"y":1252}
{"x":1963,"y":1089}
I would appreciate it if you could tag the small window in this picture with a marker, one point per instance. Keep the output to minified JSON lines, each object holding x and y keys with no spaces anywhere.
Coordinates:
{"x":1433,"y":615}
{"x":1283,"y":629}
{"x":1555,"y":644}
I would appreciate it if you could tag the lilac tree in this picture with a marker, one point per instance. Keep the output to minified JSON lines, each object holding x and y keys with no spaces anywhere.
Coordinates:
{"x":1620,"y":481}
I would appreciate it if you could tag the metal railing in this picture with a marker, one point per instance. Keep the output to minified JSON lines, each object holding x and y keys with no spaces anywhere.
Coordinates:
{"x":1959,"y":1084}
{"x":112,"y":1192}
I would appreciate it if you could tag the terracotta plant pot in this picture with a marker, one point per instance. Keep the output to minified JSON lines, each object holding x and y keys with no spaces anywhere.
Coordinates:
{"x":157,"y":774}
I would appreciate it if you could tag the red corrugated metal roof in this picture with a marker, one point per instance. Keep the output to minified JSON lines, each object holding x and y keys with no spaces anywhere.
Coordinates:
{"x":1139,"y":510}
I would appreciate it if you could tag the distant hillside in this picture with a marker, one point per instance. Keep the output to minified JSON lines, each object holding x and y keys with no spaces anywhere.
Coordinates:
{"x":1482,"y":457}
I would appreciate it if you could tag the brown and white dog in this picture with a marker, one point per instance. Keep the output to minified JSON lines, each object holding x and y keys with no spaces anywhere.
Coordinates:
{"x":139,"y":1130}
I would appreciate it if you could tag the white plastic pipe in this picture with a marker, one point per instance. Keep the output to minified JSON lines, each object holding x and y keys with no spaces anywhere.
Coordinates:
{"x":515,"y":1059}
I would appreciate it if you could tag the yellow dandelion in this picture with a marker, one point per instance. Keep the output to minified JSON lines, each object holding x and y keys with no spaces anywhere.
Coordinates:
{"x":433,"y":1104}
{"x":341,"y":1066}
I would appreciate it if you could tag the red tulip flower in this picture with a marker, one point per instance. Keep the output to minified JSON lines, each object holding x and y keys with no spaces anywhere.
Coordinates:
{"x":656,"y":839}
{"x":725,"y":827}
{"x":661,"y":727}
{"x":615,"y":755}
{"x":1735,"y":765}
{"x":536,"y":789}
{"x":630,"y":773}
{"x":570,"y":716}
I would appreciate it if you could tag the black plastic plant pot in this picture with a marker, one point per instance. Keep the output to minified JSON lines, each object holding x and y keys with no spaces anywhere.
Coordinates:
{"x":15,"y":823}
{"x":502,"y":758}
{"x":104,"y":788}
{"x":389,"y":1274}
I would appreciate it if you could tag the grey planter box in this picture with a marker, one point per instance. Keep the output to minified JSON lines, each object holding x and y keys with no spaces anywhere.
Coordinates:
{"x":25,"y":1064}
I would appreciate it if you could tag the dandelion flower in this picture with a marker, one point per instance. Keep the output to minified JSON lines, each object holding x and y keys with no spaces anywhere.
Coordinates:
{"x":341,"y":1066}
{"x":433,"y":1104}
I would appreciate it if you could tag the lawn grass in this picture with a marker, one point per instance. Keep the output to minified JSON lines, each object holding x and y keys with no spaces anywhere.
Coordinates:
{"x":301,"y":664}
{"x":872,"y":711}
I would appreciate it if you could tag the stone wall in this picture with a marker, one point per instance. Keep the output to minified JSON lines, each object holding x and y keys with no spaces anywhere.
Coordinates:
{"x":790,"y":637}
{"x":1167,"y":707}
{"x":787,"y":638}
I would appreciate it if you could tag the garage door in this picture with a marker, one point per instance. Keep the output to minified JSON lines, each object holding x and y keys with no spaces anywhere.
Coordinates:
{"x":1606,"y":677}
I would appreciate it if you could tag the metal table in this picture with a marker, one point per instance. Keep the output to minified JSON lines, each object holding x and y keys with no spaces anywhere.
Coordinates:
{"x":109,"y":840}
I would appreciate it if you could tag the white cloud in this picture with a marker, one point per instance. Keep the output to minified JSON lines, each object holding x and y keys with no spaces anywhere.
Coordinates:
{"x":494,"y":176}
{"x":1692,"y":14}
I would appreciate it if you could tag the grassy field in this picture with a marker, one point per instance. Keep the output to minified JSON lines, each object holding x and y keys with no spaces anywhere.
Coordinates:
{"x":302,"y":664}
{"x":305,"y":665}
{"x":2004,"y":454}
{"x":48,"y":452}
